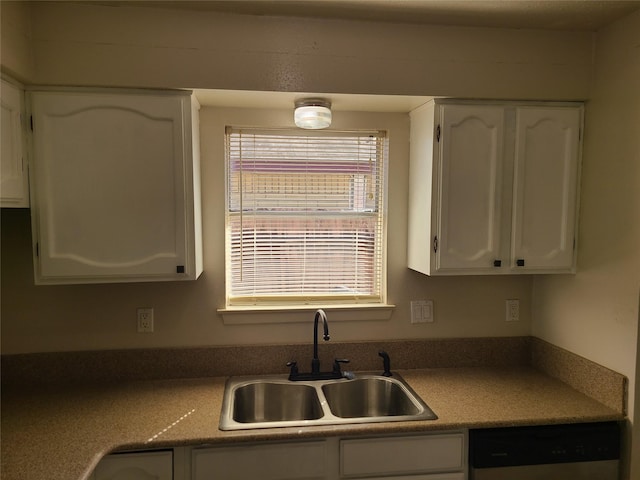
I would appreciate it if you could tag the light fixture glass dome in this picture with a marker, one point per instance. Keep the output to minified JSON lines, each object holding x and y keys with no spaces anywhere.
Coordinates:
{"x":312,"y":113}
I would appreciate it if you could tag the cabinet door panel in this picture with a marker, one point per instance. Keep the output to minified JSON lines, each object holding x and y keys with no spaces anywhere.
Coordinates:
{"x":402,"y":455}
{"x":110,"y":179}
{"x":426,"y":476}
{"x":136,"y":466}
{"x":277,"y":461}
{"x":545,"y":183}
{"x":14,"y":186}
{"x":471,"y":186}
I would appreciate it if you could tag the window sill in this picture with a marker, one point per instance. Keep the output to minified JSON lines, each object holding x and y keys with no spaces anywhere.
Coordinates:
{"x":301,"y":314}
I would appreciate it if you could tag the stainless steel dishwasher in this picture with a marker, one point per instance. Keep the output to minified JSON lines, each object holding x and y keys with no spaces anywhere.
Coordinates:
{"x":584,"y":451}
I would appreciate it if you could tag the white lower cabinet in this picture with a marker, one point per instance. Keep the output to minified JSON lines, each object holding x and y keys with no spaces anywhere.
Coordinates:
{"x":432,"y":457}
{"x":426,"y":476}
{"x":266,"y":461}
{"x":156,"y":465}
{"x":441,"y":456}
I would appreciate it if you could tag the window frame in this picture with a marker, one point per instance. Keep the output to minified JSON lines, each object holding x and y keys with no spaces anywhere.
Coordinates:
{"x":375,"y":308}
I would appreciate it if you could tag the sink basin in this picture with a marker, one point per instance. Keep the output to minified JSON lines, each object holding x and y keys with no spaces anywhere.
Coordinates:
{"x":369,"y":397}
{"x":274,"y":401}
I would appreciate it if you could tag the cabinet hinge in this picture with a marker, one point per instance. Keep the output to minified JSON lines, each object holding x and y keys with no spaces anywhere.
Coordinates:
{"x":31,"y":122}
{"x":438,"y":134}
{"x":37,"y":249}
{"x":435,"y":244}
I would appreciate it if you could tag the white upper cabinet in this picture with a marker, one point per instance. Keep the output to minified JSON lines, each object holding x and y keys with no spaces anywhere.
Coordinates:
{"x":115,"y":186}
{"x":14,"y":176}
{"x":545,"y":187}
{"x":493,"y":187}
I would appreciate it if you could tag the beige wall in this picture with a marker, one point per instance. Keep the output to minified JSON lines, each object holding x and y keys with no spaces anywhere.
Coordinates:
{"x":595,"y":313}
{"x":122,"y":46}
{"x":16,"y":48}
{"x":93,"y":45}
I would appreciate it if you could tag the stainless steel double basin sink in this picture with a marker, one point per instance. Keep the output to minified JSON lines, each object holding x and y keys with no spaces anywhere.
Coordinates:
{"x":275,"y":401}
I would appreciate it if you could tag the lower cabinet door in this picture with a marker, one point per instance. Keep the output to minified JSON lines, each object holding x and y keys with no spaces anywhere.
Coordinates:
{"x":431,"y":476}
{"x":426,"y":456}
{"x":136,"y":466}
{"x":270,"y":461}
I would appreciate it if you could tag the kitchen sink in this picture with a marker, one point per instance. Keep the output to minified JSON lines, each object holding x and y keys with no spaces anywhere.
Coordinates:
{"x":274,"y":401}
{"x":369,"y":397}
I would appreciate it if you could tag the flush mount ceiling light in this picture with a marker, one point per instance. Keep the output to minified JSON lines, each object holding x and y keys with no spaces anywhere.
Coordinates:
{"x":312,"y":113}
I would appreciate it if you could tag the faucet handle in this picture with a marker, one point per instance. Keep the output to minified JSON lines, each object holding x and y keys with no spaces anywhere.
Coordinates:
{"x":337,"y":362}
{"x":294,"y":369}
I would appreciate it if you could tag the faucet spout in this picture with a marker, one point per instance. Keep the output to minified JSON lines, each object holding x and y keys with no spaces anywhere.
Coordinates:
{"x":320,"y":315}
{"x":315,"y":373}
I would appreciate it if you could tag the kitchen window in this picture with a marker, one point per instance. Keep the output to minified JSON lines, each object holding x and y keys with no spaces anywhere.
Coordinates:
{"x":305,"y":217}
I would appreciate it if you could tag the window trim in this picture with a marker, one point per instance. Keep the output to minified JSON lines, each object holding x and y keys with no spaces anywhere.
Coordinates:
{"x":257,"y":314}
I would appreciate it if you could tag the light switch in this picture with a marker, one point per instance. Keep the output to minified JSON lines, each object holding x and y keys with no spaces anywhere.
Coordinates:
{"x":421,"y":311}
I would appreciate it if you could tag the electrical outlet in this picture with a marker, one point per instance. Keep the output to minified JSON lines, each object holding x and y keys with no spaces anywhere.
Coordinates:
{"x":513,"y":310}
{"x":145,"y":320}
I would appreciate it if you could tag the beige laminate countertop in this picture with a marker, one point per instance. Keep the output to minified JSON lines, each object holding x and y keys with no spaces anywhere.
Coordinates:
{"x":62,"y":432}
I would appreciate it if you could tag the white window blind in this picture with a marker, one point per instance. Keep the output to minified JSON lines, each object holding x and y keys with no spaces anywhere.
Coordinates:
{"x":304,"y":217}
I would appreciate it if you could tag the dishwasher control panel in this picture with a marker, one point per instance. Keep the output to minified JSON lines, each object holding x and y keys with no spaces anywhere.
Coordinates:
{"x":548,"y":444}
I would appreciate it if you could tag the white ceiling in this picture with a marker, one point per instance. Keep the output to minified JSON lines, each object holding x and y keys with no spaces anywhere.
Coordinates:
{"x":541,"y":14}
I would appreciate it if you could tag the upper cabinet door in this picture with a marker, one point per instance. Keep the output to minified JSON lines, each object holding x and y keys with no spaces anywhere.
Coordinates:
{"x":470,"y":187}
{"x":545,"y":188}
{"x":114,"y":187}
{"x":14,"y":178}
